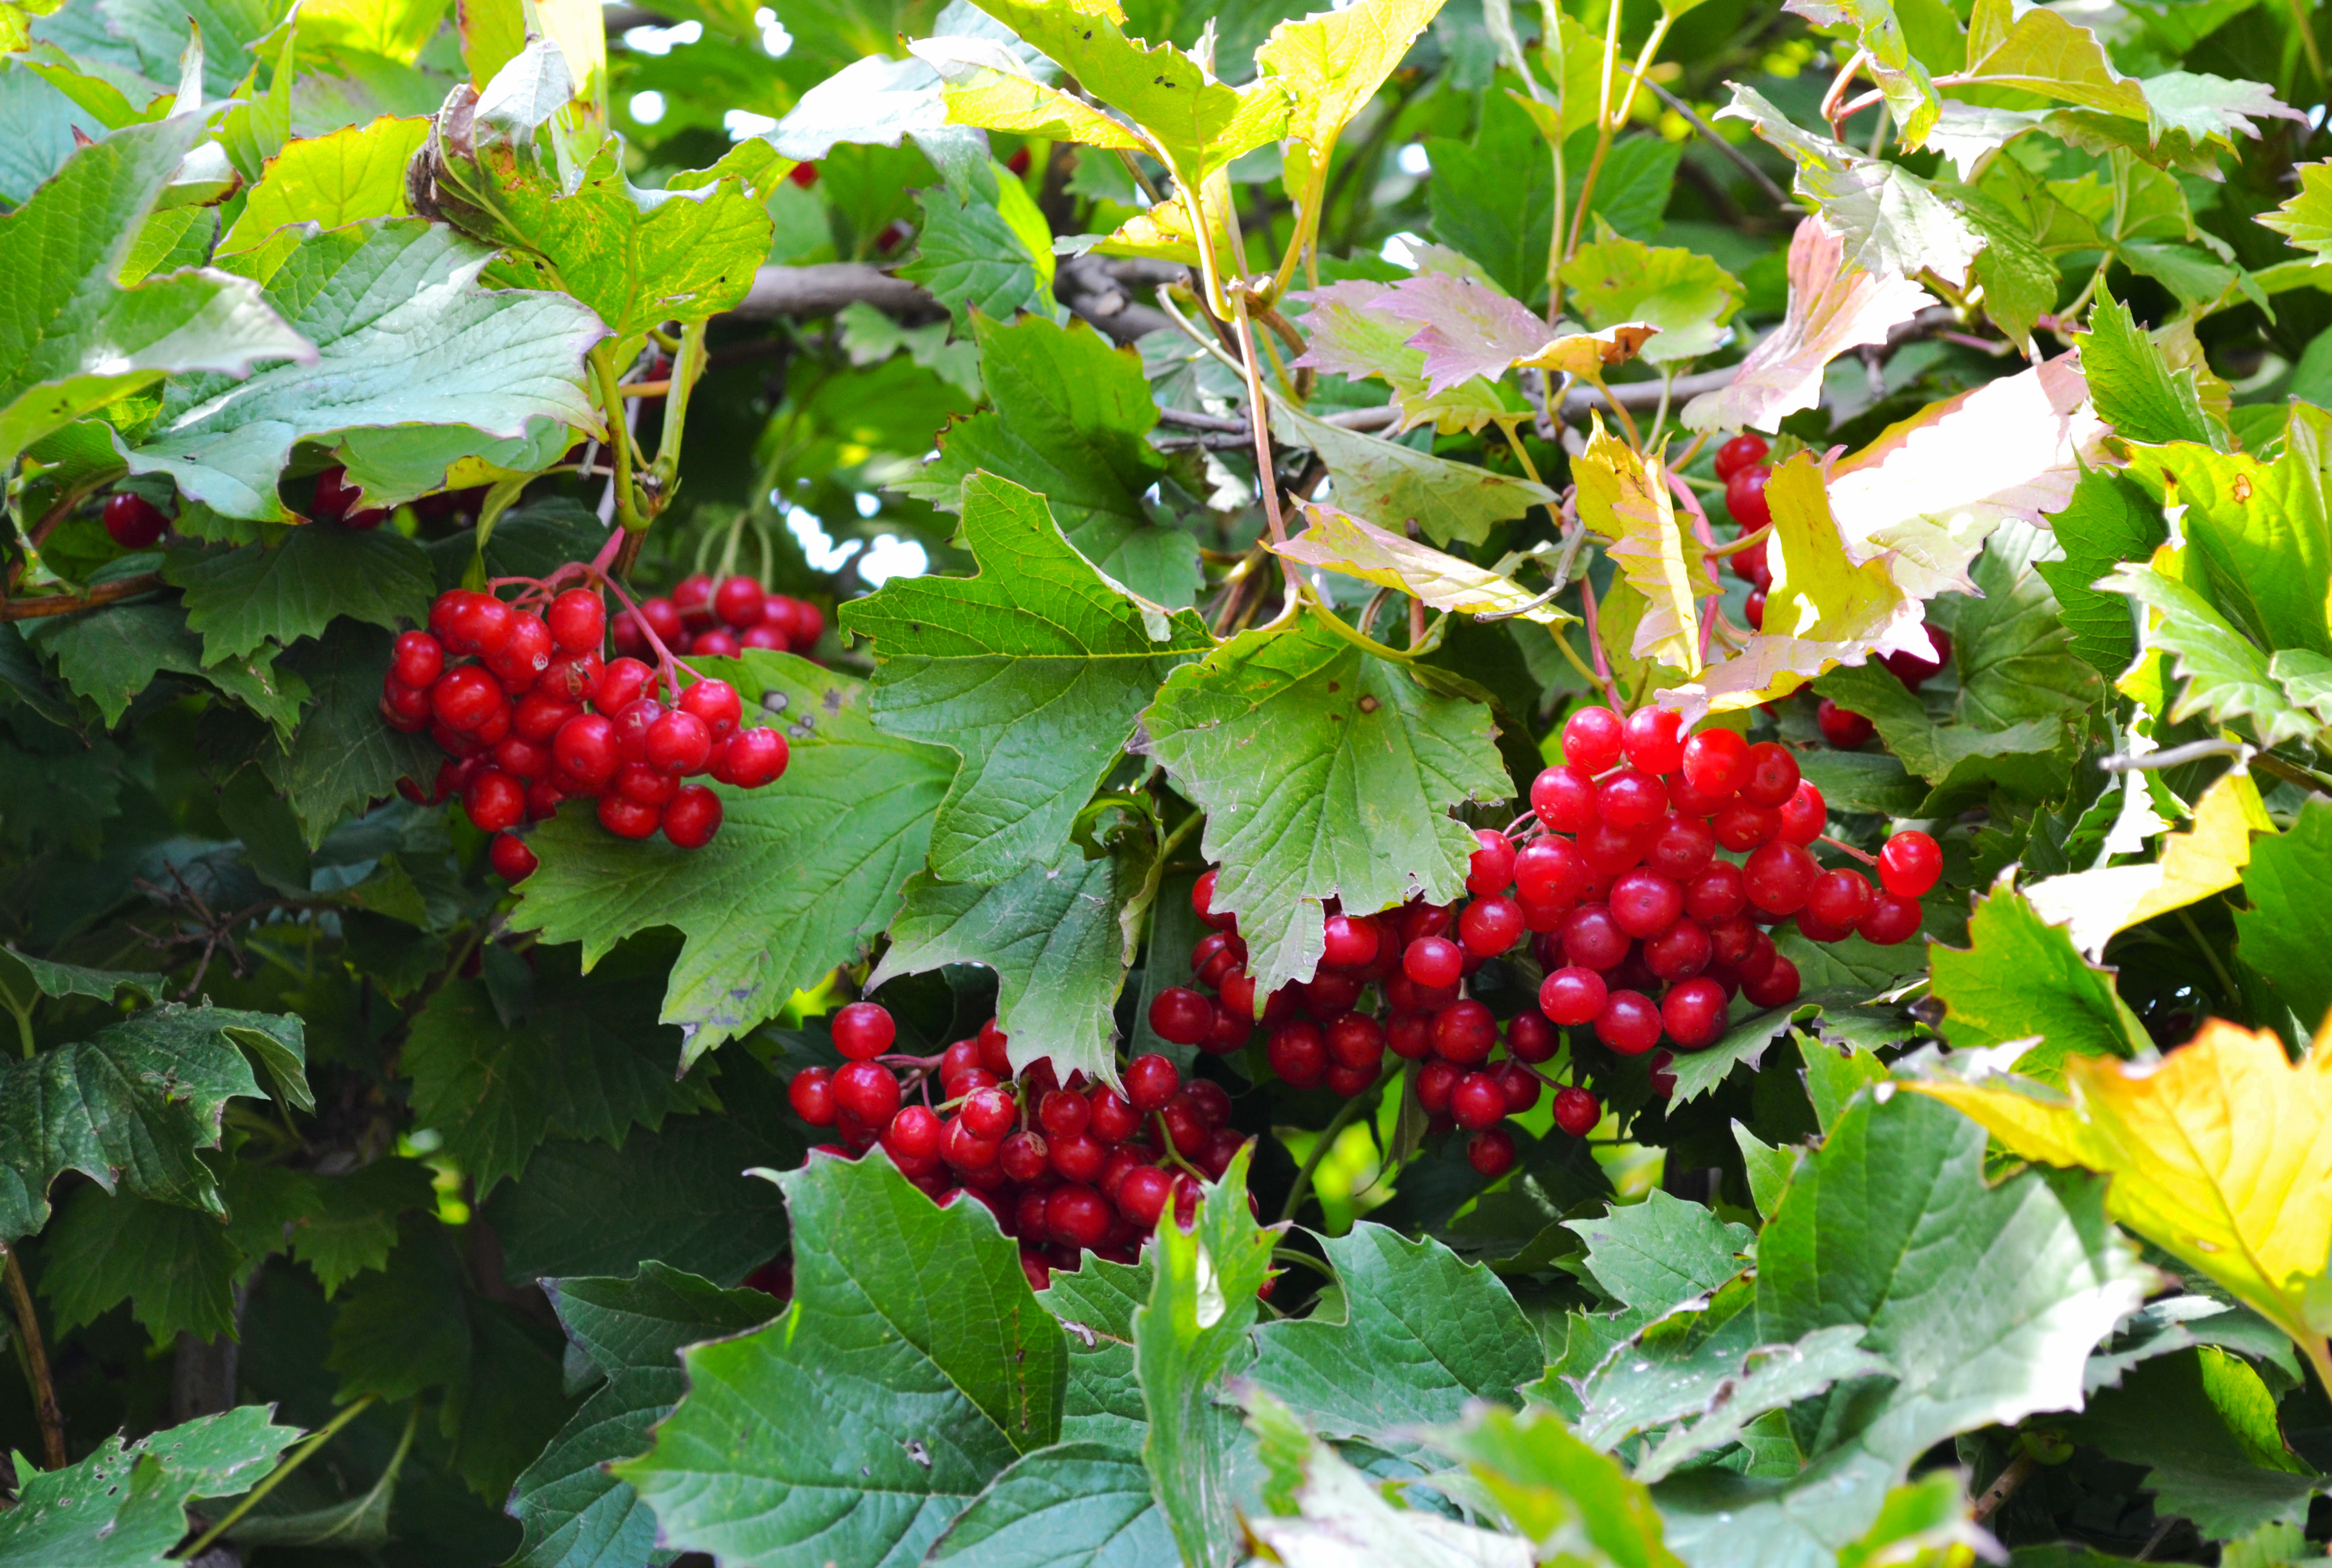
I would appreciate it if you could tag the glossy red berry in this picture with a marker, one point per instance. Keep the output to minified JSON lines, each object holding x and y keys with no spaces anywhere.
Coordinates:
{"x":1592,"y":939}
{"x":1804,"y":815}
{"x":1464,"y":1032}
{"x":463,"y":698}
{"x":1769,"y":776}
{"x":1752,"y":610}
{"x":1744,"y":497}
{"x":1492,"y":867}
{"x":1741,"y":826}
{"x":1681,"y":951}
{"x":1661,"y":1072}
{"x":1892,"y":918}
{"x":1550,"y":871}
{"x":1355,"y":1040}
{"x":513,"y":861}
{"x":868,"y":1091}
{"x":1298,"y":1053}
{"x":1843,"y":728}
{"x":1202,"y":902}
{"x":811,"y":1094}
{"x":1142,"y":1196}
{"x":494,"y":801}
{"x":134,"y":523}
{"x":627,"y":818}
{"x":1181,"y":1014}
{"x":1592,"y":738}
{"x":1576,"y":1111}
{"x":678,"y":742}
{"x":738,"y":601}
{"x":1530,"y":1039}
{"x":716,"y":704}
{"x":1910,"y":863}
{"x":1777,"y":987}
{"x":577,"y":621}
{"x":1078,"y":1216}
{"x":584,"y":749}
{"x":1629,"y":1023}
{"x":1644,"y":902}
{"x":1840,"y":898}
{"x":988,"y":1113}
{"x":750,"y":759}
{"x":1151,"y":1081}
{"x":864,"y":1031}
{"x":692,"y":595}
{"x":403,"y":707}
{"x":1478,"y":1103}
{"x":1573,"y":995}
{"x":622,"y":682}
{"x":1653,"y":740}
{"x":524,"y":654}
{"x":417,"y":660}
{"x":1433,"y":960}
{"x":1714,"y":761}
{"x":1491,"y":1151}
{"x":1631,"y":799}
{"x":1491,"y":925}
{"x":1743,"y":451}
{"x":1564,"y":798}
{"x":1693,"y":1012}
{"x":1350,"y":941}
{"x":1778,"y":877}
{"x":913,"y":1133}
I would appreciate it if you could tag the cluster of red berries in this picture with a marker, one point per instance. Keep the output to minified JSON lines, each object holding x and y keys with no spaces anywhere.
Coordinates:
{"x":1067,"y":1169}
{"x":528,"y":713}
{"x":716,"y":620}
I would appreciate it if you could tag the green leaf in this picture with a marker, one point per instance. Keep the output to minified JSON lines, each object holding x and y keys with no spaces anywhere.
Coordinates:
{"x":73,"y":341}
{"x":110,"y":654}
{"x":2009,"y":643}
{"x":587,"y":1061}
{"x":1325,"y":773}
{"x":2018,"y":980}
{"x":2204,"y":1425}
{"x":1961,"y":761}
{"x":129,"y":1107}
{"x":2136,"y":391}
{"x":2110,"y":521}
{"x":2226,"y":677}
{"x":1422,"y":1334}
{"x":2281,"y":934}
{"x":2260,"y":532}
{"x":23,"y":975}
{"x":1687,"y":296}
{"x":1556,"y":1491}
{"x":1076,"y":1504}
{"x":575,"y":1513}
{"x":1187,"y":1339}
{"x":1096,"y":1303}
{"x":810,"y":872}
{"x":342,"y":756}
{"x":244,"y":598}
{"x":1660,"y":1252}
{"x":1053,"y":933}
{"x":404,"y":336}
{"x":2048,"y":55}
{"x":1070,"y":420}
{"x":913,"y":1365}
{"x":1034,"y":672}
{"x":345,"y":1226}
{"x":2306,"y":217}
{"x":176,"y":1266}
{"x":985,"y":249}
{"x":354,"y":173}
{"x":1330,"y":64}
{"x":678,"y":1190}
{"x":1392,"y":484}
{"x":124,"y":1505}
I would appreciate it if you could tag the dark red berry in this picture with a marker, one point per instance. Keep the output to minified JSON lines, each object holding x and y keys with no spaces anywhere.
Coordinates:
{"x":1576,"y":1111}
{"x":1804,"y":815}
{"x":1776,"y":987}
{"x":1743,"y":451}
{"x":1843,"y":728}
{"x":1181,"y":1014}
{"x":1298,"y":1053}
{"x":513,"y":861}
{"x":750,"y":759}
{"x":1629,"y":1023}
{"x":1490,"y":925}
{"x":1892,"y":918}
{"x":1693,"y":1012}
{"x":134,"y":523}
{"x":1914,"y":671}
{"x":1491,"y":1151}
{"x":693,"y":816}
{"x":1744,"y":497}
{"x":1202,"y":901}
{"x":1530,"y":1039}
{"x":1478,"y":1103}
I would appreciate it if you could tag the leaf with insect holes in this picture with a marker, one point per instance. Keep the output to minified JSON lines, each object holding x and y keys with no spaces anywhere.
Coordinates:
{"x":1834,"y":306}
{"x":1033,"y":671}
{"x":913,"y":1365}
{"x":2220,"y":1154}
{"x":1466,"y":328}
{"x":807,"y":877}
{"x":73,"y":340}
{"x":1338,"y":542}
{"x":1624,"y":500}
{"x":124,"y":1505}
{"x":1325,"y":771}
{"x":1928,"y":493}
{"x":2094,"y":906}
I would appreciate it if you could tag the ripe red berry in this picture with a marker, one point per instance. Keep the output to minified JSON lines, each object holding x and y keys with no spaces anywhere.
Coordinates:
{"x":1840,"y":898}
{"x":1681,"y":951}
{"x":717,"y":704}
{"x":1631,"y":799}
{"x":496,"y":801}
{"x":864,"y":1031}
{"x":570,"y":677}
{"x":1805,"y":814}
{"x":1298,"y":1053}
{"x":1573,"y":995}
{"x":513,"y":861}
{"x":578,"y":619}
{"x":334,"y":496}
{"x":404,"y":708}
{"x":1491,"y":1151}
{"x":1914,"y":671}
{"x":915,"y":1133}
{"x":134,"y":523}
{"x":678,"y":742}
{"x":1077,"y":1156}
{"x":1644,"y":902}
{"x":1653,"y":740}
{"x":1741,"y":826}
{"x":1629,"y":1023}
{"x":516,"y":755}
{"x":1661,"y":1073}
{"x":1078,"y":1216}
{"x":1770,"y":775}
{"x":867,"y":1090}
{"x":1151,"y":1081}
{"x":1576,"y":1111}
{"x":1530,"y":1039}
{"x":1744,"y":497}
{"x":622,"y":682}
{"x":478,"y":623}
{"x":522,"y":655}
{"x":738,"y":601}
{"x":1714,"y":761}
{"x":1491,"y":925}
{"x":716,"y":643}
{"x":1693,"y":1012}
{"x":648,"y":785}
{"x":1478,"y":1103}
{"x":1910,"y":863}
{"x":1843,"y":728}
{"x":1563,"y":796}
{"x":1186,"y":1129}
{"x":628,"y":819}
{"x":1776,"y":987}
{"x":419,"y":659}
{"x":1550,"y":871}
{"x":1355,"y":1040}
{"x":1433,"y":962}
{"x":692,"y":595}
{"x":1592,"y":939}
{"x":464,"y":697}
{"x":1464,"y":1032}
{"x":1777,"y":877}
{"x":811,"y":1094}
{"x":1349,"y":942}
{"x":1202,"y":902}
{"x":1181,"y":1014}
{"x":1682,"y":847}
{"x":988,"y":1113}
{"x":1743,"y":451}
{"x":1492,"y":867}
{"x":1064,"y":1113}
{"x":1519,"y":1084}
{"x":585,"y":750}
{"x":1230,"y":1032}
{"x":1752,"y":610}
{"x":1592,"y":738}
{"x":1142,"y":1196}
{"x":1892,"y":918}
{"x":750,"y":759}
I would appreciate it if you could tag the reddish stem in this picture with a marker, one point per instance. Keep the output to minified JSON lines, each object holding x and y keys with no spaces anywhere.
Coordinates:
{"x":1863,"y":856}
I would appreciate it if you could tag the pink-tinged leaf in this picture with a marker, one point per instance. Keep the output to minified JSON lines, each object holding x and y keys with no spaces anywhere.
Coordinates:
{"x":1466,"y":328}
{"x":1349,"y":334}
{"x":1623,"y":497}
{"x":1834,"y":306}
{"x":1338,"y":542}
{"x":1932,"y":488}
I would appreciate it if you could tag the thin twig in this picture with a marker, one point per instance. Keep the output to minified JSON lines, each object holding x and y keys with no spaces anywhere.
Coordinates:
{"x":299,"y":1456}
{"x":2176,"y":756}
{"x":1708,"y":133}
{"x":104,"y":593}
{"x":36,"y":1360}
{"x":2004,"y":1486}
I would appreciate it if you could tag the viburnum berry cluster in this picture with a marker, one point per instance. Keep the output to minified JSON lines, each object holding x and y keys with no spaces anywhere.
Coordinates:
{"x":1067,"y":1169}
{"x":713,"y":620}
{"x":529,"y":712}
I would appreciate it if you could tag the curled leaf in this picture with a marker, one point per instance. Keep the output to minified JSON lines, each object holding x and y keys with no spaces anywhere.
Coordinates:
{"x":1338,"y":542}
{"x":1623,"y":497}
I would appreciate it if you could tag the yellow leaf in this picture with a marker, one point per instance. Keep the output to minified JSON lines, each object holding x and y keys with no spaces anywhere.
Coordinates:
{"x":2092,"y":905}
{"x":2220,"y":1154}
{"x":1624,"y":499}
{"x":1340,"y":542}
{"x":354,"y":173}
{"x":1332,"y":62}
{"x":1591,"y":353}
{"x":986,"y":86}
{"x":1164,"y":233}
{"x":395,"y":29}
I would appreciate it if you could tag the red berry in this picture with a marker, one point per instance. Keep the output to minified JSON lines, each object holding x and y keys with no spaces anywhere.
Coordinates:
{"x":1492,"y":868}
{"x":523,"y":654}
{"x":1645,"y":903}
{"x":1350,"y":941}
{"x":1357,"y":1040}
{"x":1490,"y":926}
{"x":1576,"y":1111}
{"x":811,"y":1094}
{"x":988,"y":1113}
{"x":1078,"y":1216}
{"x":677,"y":741}
{"x":1477,"y":1101}
{"x":1298,"y":1053}
{"x":1491,"y":1151}
{"x":864,"y":1031}
{"x":1804,"y":815}
{"x":516,"y":755}
{"x":738,"y":601}
{"x":1741,"y":826}
{"x":692,"y":595}
{"x":622,"y":682}
{"x":570,"y":677}
{"x":1629,"y":1023}
{"x":1181,"y":1014}
{"x":1464,"y":1032}
{"x":1409,"y":1035}
{"x":403,"y":707}
{"x":419,"y":659}
{"x":1694,"y":1013}
{"x":1064,"y":1112}
{"x":478,"y":624}
{"x":1592,"y":738}
{"x":750,"y":759}
{"x":1839,"y":897}
{"x":661,"y":618}
{"x":134,"y":523}
{"x":1653,"y":740}
{"x":1630,"y":799}
{"x":693,"y":816}
{"x":1893,"y":918}
{"x":1743,"y":451}
{"x":334,"y":494}
{"x":1744,"y":497}
{"x":1778,"y":877}
{"x":868,"y":1091}
{"x":1202,"y":902}
{"x":1520,"y":1084}
{"x":1679,"y":952}
{"x":1752,"y":610}
{"x":717,"y":704}
{"x":1433,"y":962}
{"x":1530,"y":1039}
{"x":1185,"y":1128}
{"x":577,"y":621}
{"x":1910,"y":863}
{"x":1435,"y":1080}
{"x":513,"y":861}
{"x":1142,"y":1196}
{"x":585,"y":750}
{"x":628,"y":819}
{"x":1661,"y":1072}
{"x":1230,"y":1032}
{"x":496,"y":801}
{"x":716,"y":643}
{"x":1713,"y":760}
{"x":463,"y":698}
{"x":1550,"y":871}
{"x":1563,"y":796}
{"x":914,"y":1132}
{"x":1151,"y":1081}
{"x":1770,"y":776}
{"x":1843,"y":728}
{"x":1573,"y":995}
{"x":1776,"y":987}
{"x":1592,"y":939}
{"x":1914,"y":671}
{"x":1077,"y":1156}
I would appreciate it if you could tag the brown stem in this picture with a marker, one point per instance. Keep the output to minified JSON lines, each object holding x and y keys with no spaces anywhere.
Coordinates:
{"x":67,"y":604}
{"x":36,"y":1359}
{"x":2004,"y":1486}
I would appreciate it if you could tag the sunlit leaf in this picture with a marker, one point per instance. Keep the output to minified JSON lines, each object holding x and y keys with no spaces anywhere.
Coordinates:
{"x":1624,"y":499}
{"x":1614,"y":280}
{"x":1341,"y":542}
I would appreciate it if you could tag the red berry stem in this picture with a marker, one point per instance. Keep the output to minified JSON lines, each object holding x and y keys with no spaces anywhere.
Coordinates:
{"x":1595,"y":646}
{"x":668,"y":667}
{"x":1864,"y":856}
{"x":1707,"y":538}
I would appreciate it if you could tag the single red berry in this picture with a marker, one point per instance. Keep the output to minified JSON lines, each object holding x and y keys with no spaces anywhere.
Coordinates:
{"x":1078,"y":1216}
{"x":1186,"y":1129}
{"x":1202,"y":902}
{"x":811,"y":1094}
{"x":1077,"y":1156}
{"x":692,"y":595}
{"x":494,"y":801}
{"x":1682,"y":847}
{"x":678,"y":742}
{"x":1024,"y":1156}
{"x":1681,"y":951}
{"x":1914,"y":671}
{"x":1752,"y":610}
{"x":634,"y":720}
{"x":628,"y":819}
{"x":1550,"y":871}
{"x":1573,"y":995}
{"x":661,"y":618}
{"x":693,"y":816}
{"x":1693,"y":1012}
{"x":1609,"y":849}
{"x":1770,"y":776}
{"x":1777,"y":987}
{"x":1491,"y":925}
{"x":1230,"y":1032}
{"x":513,"y":861}
{"x":864,"y":1031}
{"x":1743,"y":451}
{"x":1298,"y":1053}
{"x":516,"y":755}
{"x":1778,"y":875}
{"x":622,"y":682}
{"x":1181,"y":1014}
{"x":1151,"y":1081}
{"x":578,"y":619}
{"x":1805,"y":814}
{"x":1576,"y":1111}
{"x":1478,"y":1103}
{"x":464,"y":697}
{"x":1564,"y":798}
{"x":1064,"y":1113}
{"x":988,"y":1113}
{"x":1435,"y":1080}
{"x":1530,"y":1039}
{"x":1910,"y":863}
{"x":1592,"y":738}
{"x":134,"y":523}
{"x":1744,"y":497}
{"x":1357,"y":1040}
{"x":1741,"y":826}
{"x":1215,"y":955}
{"x":962,"y":1148}
{"x":584,"y":749}
{"x":1893,"y":918}
{"x":1661,"y":1073}
{"x":717,"y":704}
{"x":1433,"y":960}
{"x":914,"y":1132}
{"x":478,"y":624}
{"x":1840,"y":898}
{"x":717,"y":643}
{"x":738,"y":601}
{"x":404,"y":707}
{"x":1464,"y":1032}
{"x":1492,"y":868}
{"x":750,"y":759}
{"x":1631,"y":799}
{"x":417,"y":660}
{"x":1519,"y":1084}
{"x":335,"y":496}
{"x":1843,"y":728}
{"x":1350,"y":941}
{"x":1629,"y":1023}
{"x":1713,"y":760}
{"x":1592,"y":939}
{"x":524,"y":654}
{"x":570,"y":677}
{"x":1142,"y":1196}
{"x":1644,"y":902}
{"x":1653,"y":740}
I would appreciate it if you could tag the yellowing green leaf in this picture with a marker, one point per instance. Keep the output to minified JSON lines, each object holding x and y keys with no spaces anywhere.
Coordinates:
{"x":356,"y":172}
{"x":988,"y":86}
{"x":396,"y":30}
{"x":1577,"y":1505}
{"x":1332,"y":62}
{"x":2092,"y":905}
{"x":2305,"y":219}
{"x":1338,"y":542}
{"x":2220,"y":1154}
{"x":2041,"y":51}
{"x":1683,"y":293}
{"x":1623,"y":499}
